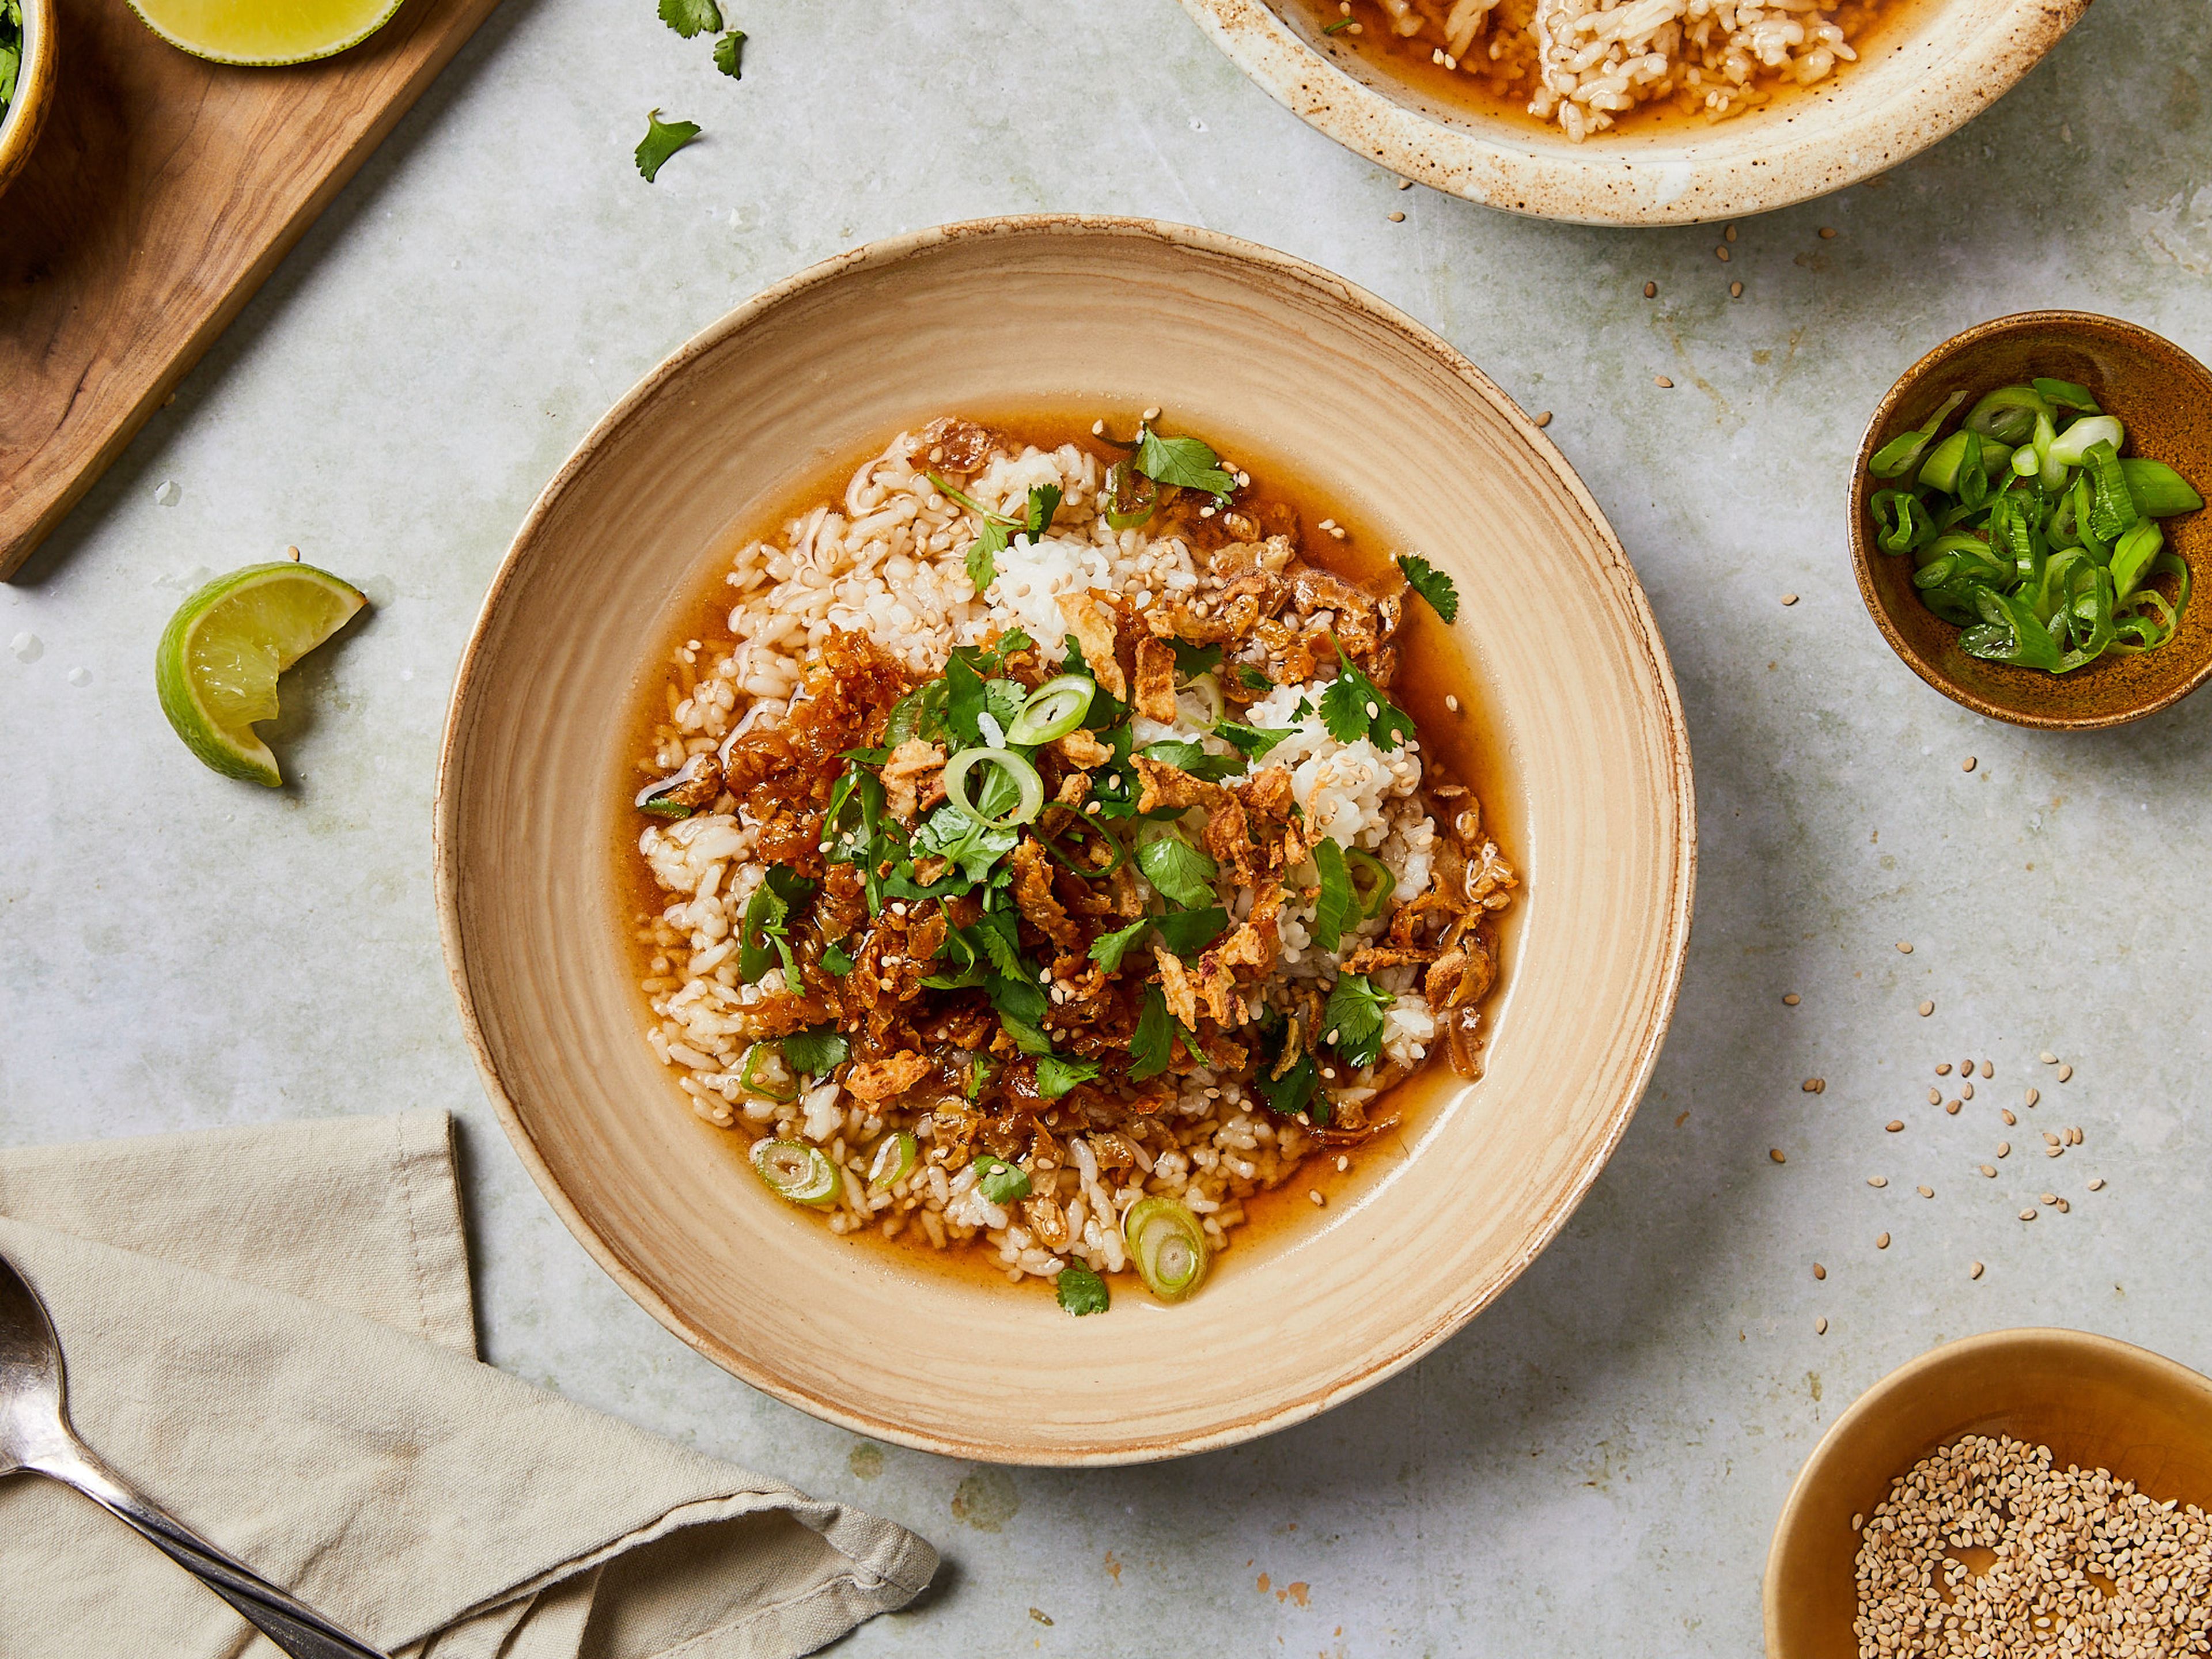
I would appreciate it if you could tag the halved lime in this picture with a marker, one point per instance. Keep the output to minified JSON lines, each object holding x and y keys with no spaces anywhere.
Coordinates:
{"x":217,"y":663}
{"x":263,"y":33}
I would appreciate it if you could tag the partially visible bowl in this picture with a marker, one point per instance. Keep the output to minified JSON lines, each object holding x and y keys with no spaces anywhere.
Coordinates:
{"x":1281,"y":359}
{"x":2163,"y":396}
{"x":1931,"y":72}
{"x":34,"y":89}
{"x":2095,"y":1402}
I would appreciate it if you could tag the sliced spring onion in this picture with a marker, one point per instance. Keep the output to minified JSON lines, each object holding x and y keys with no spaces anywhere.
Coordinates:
{"x":1130,"y":496}
{"x":1372,"y":884}
{"x":892,"y":1163}
{"x":2009,"y":413}
{"x":690,"y":787}
{"x":2157,"y":489}
{"x":2068,"y":395}
{"x":1053,"y":710}
{"x":1902,"y":453}
{"x":796,"y":1171}
{"x":1200,"y":701}
{"x":766,"y":1075}
{"x":1094,"y":835}
{"x":1029,"y":787}
{"x":1169,"y":1247}
{"x":2072,"y":446}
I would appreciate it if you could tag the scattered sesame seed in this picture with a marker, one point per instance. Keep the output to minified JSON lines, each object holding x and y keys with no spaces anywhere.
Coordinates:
{"x":2054,"y":1151}
{"x":1965,"y":1068}
{"x":1662,"y":382}
{"x":1974,"y":1270}
{"x":1338,"y":531}
{"x":1651,"y":290}
{"x":1857,"y":1521}
{"x":1877,"y":1180}
{"x":1314,"y":1193}
{"x":1332,"y":1036}
{"x":1965,"y":1091}
{"x":1951,"y":1107}
{"x":1819,"y":1272}
{"x":1790,"y":998}
{"x":2064,"y":1208}
{"x":1967,"y":764}
{"x":1721,"y":254}
{"x":1820,"y":1327}
{"x":1343,"y":1163}
{"x":1152,"y":414}
{"x":1405,"y":184}
{"x":1775,"y":1152}
{"x":2065,"y":1073}
{"x":1905,"y":946}
{"x":1925,"y":1192}
{"x":1374,"y":710}
{"x":1934,"y":1097}
{"x":1545,"y":419}
{"x":1789,"y":598}
{"x":1989,"y":1171}
{"x":1926,"y":1009}
{"x":1098,"y":428}
{"x":1881,"y":1240}
{"x":2050,"y":1198}
{"x":1397,"y":218}
{"x":2027,"y":1215}
{"x":2010,"y":1119}
{"x":2049,"y":1138}
{"x":1735,"y":290}
{"x":2074,"y":1136}
{"x":1988,"y":1070}
{"x":1811,"y":1085}
{"x":2098,"y":1185}
{"x":1451,"y":702}
{"x":1944,"y":1069}
{"x":1894,"y":1125}
{"x":2048,"y":1058}
{"x":2004,"y":1149}
{"x":1827,"y":233}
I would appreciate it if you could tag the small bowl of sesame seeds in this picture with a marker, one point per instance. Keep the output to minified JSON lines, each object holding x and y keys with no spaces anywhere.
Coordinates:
{"x":2019,"y":1493}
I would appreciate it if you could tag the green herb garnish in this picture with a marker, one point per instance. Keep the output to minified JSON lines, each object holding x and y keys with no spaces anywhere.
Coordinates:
{"x":1333,"y":905}
{"x":1107,"y":949}
{"x":1185,"y":462}
{"x":1080,"y":1290}
{"x":726,"y":52}
{"x":1431,"y":584}
{"x":1352,"y":708}
{"x":662,"y":140}
{"x":1056,"y":1074}
{"x":1153,"y":1044}
{"x":1338,"y":27}
{"x":997,"y":531}
{"x":816,"y":1052}
{"x":690,"y":17}
{"x":761,"y":934}
{"x":999,"y":1180}
{"x":1352,"y":1024}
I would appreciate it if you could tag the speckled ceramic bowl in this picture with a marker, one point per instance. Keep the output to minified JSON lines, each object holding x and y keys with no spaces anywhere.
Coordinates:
{"x":2163,"y":396}
{"x":1928,"y":73}
{"x":2095,"y":1402}
{"x":34,"y":89}
{"x":1267,"y":354}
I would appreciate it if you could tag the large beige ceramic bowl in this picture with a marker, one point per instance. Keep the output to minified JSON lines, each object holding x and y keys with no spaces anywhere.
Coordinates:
{"x":1933,"y":68}
{"x":1270,"y":358}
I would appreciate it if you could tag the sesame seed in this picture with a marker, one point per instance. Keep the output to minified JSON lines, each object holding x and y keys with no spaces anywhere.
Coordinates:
{"x":1343,"y":1164}
{"x":1877,"y":1180}
{"x":1790,"y":998}
{"x":1820,"y":1327}
{"x":2074,"y":1136}
{"x":2065,"y":1073}
{"x":2054,"y":1151}
{"x":2049,"y":1138}
{"x":1545,"y":419}
{"x":2064,"y":1208}
{"x":1988,"y":1171}
{"x":1735,"y":290}
{"x":2004,"y":1149}
{"x":1965,"y":1068}
{"x":1934,"y":1097}
{"x":1332,"y":1036}
{"x":1152,"y":414}
{"x":1988,"y":1070}
{"x":1721,"y":254}
{"x":1965,"y":1091}
{"x":1925,"y":1192}
{"x":1451,"y":702}
{"x":2048,"y":1058}
{"x":1314,"y":1193}
{"x":1827,"y":233}
{"x":1967,"y":764}
{"x":2027,"y":1215}
{"x":1974,"y":1270}
{"x":1789,"y":598}
{"x":1729,"y":234}
{"x":1894,"y":1125}
{"x":1811,"y":1085}
{"x":1373,"y":710}
{"x":2098,"y":1185}
{"x":2010,"y":1119}
{"x":1881,"y":1240}
{"x":1775,"y":1152}
{"x":1857,"y":1521}
{"x":2050,"y":1198}
{"x":1952,"y":1106}
{"x":1662,"y":382}
{"x":1819,"y":1272}
{"x":1904,"y":945}
{"x":1651,"y":290}
{"x":1098,"y":428}
{"x":1944,"y":1069}
{"x":1397,"y":218}
{"x":1926,"y":1009}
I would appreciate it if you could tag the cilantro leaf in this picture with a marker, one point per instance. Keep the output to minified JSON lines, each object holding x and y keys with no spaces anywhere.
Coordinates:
{"x":690,"y":17}
{"x":1292,"y":1093}
{"x":726,"y":53}
{"x":964,"y":702}
{"x":1044,"y":501}
{"x":1000,"y":944}
{"x":835,"y":960}
{"x":999,"y":1180}
{"x":1254,"y":679}
{"x":1107,"y":949}
{"x":1183,"y":461}
{"x":1056,"y":1074}
{"x":1192,"y":660}
{"x":1178,"y":871}
{"x":1352,"y":1024}
{"x":950,"y":833}
{"x":1345,"y":709}
{"x":1190,"y":757}
{"x":1431,"y":584}
{"x":1334,"y":903}
{"x":1254,"y":741}
{"x":983,"y":556}
{"x":662,"y":140}
{"x":1187,"y":932}
{"x":1303,"y":709}
{"x":817,"y":1051}
{"x":1153,"y":1045}
{"x":1080,"y":1290}
{"x":767,"y":917}
{"x":1021,"y":1004}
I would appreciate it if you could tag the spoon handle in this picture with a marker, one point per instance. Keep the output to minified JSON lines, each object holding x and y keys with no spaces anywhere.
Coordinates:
{"x":291,"y":1625}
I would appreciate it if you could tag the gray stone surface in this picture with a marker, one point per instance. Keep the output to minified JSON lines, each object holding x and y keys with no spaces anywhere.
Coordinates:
{"x":1593,"y":1466}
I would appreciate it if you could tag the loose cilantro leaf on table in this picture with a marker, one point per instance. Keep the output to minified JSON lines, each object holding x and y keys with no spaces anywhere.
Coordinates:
{"x":1080,"y":1290}
{"x":1056,"y":1074}
{"x":1352,"y":1024}
{"x":815,"y":1052}
{"x":1352,"y":708}
{"x":690,"y":17}
{"x":1335,"y":902}
{"x":1182,"y":461}
{"x":662,"y":140}
{"x":1431,"y":584}
{"x":726,"y":51}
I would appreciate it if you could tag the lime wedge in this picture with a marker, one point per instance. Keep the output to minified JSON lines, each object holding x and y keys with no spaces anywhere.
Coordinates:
{"x":217,"y":663}
{"x":264,"y":32}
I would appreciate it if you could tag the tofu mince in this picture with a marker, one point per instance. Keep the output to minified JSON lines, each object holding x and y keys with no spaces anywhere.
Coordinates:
{"x":1045,"y":869}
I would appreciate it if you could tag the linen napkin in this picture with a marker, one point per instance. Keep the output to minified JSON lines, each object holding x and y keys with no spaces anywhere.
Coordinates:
{"x":270,"y":1332}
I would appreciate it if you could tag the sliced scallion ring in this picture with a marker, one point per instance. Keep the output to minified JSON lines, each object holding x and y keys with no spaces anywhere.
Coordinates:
{"x":1029,"y":787}
{"x":2072,"y":446}
{"x":1053,"y":710}
{"x":766,"y":1074}
{"x":1169,"y":1247}
{"x":1372,"y":884}
{"x":1207,"y":705}
{"x":893,"y":1163}
{"x":802,"y":1174}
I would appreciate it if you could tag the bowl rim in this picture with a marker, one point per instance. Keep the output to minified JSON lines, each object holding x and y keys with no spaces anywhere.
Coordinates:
{"x":1672,"y":726}
{"x":1878,"y":1395}
{"x":1499,"y":173}
{"x":1862,"y":556}
{"x":26,"y":114}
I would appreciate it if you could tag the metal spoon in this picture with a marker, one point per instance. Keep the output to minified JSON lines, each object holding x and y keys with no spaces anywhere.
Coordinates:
{"x":35,"y":1435}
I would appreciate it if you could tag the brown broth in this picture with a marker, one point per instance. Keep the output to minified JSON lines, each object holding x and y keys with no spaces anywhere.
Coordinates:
{"x":1432,"y":667}
{"x":1870,"y":27}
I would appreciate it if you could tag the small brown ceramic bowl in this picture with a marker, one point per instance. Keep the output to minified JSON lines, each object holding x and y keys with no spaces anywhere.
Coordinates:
{"x":2095,"y":1402}
{"x":34,"y":89}
{"x":2163,"y":396}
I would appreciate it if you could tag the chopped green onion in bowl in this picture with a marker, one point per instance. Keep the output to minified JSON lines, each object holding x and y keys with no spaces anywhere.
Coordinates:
{"x":802,"y":1174}
{"x":2029,"y":531}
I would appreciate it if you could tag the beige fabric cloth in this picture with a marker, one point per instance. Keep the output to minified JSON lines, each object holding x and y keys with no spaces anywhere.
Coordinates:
{"x":269,"y":1331}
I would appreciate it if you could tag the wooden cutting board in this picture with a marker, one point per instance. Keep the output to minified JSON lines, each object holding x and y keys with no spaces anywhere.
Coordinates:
{"x":162,"y":192}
